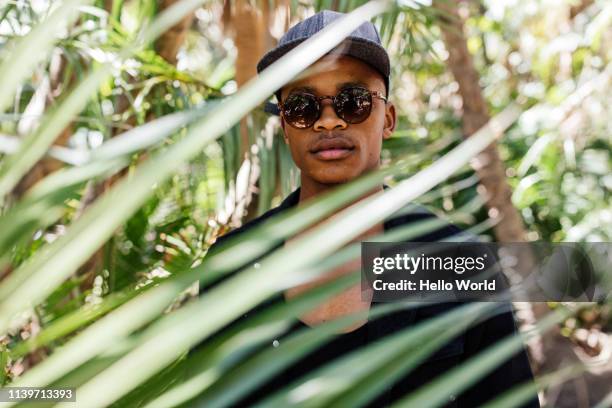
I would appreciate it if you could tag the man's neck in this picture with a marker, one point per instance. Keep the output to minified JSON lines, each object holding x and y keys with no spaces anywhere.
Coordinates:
{"x":310,"y":189}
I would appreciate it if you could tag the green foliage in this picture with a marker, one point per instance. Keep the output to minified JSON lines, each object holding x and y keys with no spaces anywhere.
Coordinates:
{"x":98,"y":275}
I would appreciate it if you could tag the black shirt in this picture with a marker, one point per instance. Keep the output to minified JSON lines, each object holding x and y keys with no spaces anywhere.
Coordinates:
{"x":514,"y":371}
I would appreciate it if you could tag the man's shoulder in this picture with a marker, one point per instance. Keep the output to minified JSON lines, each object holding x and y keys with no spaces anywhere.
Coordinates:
{"x":414,"y":213}
{"x":222,"y":242}
{"x":249,"y":225}
{"x":286,"y":204}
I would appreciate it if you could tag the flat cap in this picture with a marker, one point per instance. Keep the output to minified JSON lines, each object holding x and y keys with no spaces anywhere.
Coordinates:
{"x":364,"y":43}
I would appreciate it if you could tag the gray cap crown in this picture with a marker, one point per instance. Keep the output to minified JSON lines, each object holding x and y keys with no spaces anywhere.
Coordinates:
{"x":364,"y":43}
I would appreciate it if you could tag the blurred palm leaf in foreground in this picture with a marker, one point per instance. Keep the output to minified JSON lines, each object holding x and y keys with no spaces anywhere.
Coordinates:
{"x":101,"y":251}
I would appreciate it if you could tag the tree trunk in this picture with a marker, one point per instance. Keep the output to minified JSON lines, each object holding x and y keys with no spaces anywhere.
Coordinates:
{"x":248,"y":25}
{"x":579,"y":8}
{"x":488,"y":165}
{"x":248,"y":29}
{"x":46,"y":165}
{"x":170,"y":42}
{"x":496,"y":192}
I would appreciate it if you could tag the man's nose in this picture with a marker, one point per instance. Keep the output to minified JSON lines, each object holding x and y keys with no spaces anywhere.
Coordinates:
{"x":329,"y":120}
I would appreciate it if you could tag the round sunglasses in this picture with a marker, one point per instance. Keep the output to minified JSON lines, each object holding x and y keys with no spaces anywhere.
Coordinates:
{"x":353,"y":105}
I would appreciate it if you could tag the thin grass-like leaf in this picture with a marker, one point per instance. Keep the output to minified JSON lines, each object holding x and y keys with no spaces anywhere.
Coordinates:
{"x":43,"y":204}
{"x":342,"y":374}
{"x":606,"y":402}
{"x":461,"y":377}
{"x":519,"y":395}
{"x":105,"y":215}
{"x":204,"y":378}
{"x":97,"y":224}
{"x":78,"y":319}
{"x":262,"y":282}
{"x":138,"y":312}
{"x":33,"y":48}
{"x":36,"y":144}
{"x":225,"y":350}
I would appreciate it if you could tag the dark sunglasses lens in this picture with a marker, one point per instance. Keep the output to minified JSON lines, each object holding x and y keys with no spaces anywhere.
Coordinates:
{"x":301,"y":110}
{"x":354,"y":104}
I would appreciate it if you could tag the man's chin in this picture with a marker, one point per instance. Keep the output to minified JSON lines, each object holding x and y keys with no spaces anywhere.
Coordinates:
{"x":333,"y":179}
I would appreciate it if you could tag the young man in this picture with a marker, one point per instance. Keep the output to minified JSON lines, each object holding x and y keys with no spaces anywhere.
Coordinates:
{"x":334,"y":121}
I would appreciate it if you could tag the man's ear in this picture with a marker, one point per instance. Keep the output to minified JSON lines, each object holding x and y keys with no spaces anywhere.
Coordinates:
{"x":390,"y":120}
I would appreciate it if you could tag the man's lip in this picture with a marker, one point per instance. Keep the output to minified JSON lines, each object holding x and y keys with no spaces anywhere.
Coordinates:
{"x":333,"y":154}
{"x":332,"y":144}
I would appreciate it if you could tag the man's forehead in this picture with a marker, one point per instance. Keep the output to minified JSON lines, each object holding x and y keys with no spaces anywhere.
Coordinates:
{"x":339,"y":86}
{"x":333,"y":73}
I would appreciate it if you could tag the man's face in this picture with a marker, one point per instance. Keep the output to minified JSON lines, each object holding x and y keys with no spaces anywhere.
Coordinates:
{"x":333,"y":151}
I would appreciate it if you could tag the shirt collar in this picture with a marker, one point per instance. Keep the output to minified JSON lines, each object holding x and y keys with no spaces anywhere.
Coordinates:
{"x":294,"y":198}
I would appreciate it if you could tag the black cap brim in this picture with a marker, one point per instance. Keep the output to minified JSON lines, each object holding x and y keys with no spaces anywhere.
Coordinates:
{"x":271,"y":108}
